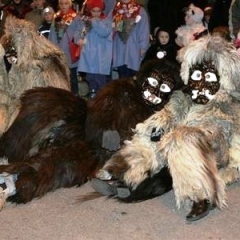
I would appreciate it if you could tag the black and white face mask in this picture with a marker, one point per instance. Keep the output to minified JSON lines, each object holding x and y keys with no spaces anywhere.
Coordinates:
{"x":203,"y":82}
{"x":11,"y":52}
{"x":157,"y":87}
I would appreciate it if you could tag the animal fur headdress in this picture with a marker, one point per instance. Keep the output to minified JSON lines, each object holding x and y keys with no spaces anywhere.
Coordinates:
{"x":219,"y":52}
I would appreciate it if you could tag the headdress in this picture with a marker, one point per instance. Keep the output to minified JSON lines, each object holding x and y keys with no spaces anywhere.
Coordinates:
{"x":95,"y":4}
{"x":221,"y":53}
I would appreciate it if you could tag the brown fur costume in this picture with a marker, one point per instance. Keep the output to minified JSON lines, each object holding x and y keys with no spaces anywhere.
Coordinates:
{"x":119,"y":106}
{"x":115,"y":111}
{"x":39,"y":64}
{"x":45,"y":145}
{"x":199,"y":142}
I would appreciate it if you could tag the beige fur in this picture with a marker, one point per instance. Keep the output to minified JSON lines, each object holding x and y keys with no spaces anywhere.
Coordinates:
{"x":193,"y":166}
{"x":39,"y":64}
{"x":222,"y":53}
{"x":200,"y":143}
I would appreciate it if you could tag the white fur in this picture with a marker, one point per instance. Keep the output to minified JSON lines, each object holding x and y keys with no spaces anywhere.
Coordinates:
{"x":200,"y":143}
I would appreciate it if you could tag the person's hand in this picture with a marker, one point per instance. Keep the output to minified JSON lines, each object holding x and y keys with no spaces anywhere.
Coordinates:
{"x":142,"y":53}
{"x":81,"y":42}
{"x":88,"y":24}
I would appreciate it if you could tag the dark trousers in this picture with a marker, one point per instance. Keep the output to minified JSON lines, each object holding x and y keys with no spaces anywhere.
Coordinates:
{"x":96,"y":81}
{"x":124,"y":71}
{"x":74,"y":80}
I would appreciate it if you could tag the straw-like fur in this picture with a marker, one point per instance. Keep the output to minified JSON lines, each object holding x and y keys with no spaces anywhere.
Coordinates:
{"x":39,"y":64}
{"x":199,"y":143}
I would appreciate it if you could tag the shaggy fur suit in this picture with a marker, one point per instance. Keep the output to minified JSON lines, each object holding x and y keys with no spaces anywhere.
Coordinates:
{"x":199,"y":143}
{"x":45,"y":142}
{"x":39,"y":64}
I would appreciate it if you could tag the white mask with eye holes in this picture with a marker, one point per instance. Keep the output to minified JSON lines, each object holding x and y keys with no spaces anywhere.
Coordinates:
{"x":154,"y":92}
{"x":203,"y":83}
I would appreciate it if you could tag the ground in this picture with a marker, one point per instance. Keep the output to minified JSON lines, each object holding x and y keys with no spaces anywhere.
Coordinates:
{"x":59,"y":216}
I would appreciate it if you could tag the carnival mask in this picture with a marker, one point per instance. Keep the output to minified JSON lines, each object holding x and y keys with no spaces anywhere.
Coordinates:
{"x":10,"y":52}
{"x":157,"y":87}
{"x":203,"y":82}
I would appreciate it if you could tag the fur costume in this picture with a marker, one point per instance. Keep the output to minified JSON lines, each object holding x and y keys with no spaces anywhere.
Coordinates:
{"x":120,"y":105}
{"x":45,"y":145}
{"x":198,"y":131}
{"x":35,"y":63}
{"x":52,"y":152}
{"x":116,"y":110}
{"x":193,"y":28}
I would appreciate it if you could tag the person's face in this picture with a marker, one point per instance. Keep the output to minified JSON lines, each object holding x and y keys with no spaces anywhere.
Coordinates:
{"x":96,"y":12}
{"x":207,"y":17}
{"x":39,"y":3}
{"x":188,"y":19}
{"x":163,"y":37}
{"x":48,"y":17}
{"x":64,"y":6}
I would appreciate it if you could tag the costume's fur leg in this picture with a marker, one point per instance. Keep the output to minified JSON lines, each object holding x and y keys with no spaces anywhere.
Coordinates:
{"x":138,"y":159}
{"x":230,"y":173}
{"x":50,"y":169}
{"x":193,"y":166}
{"x":133,"y":163}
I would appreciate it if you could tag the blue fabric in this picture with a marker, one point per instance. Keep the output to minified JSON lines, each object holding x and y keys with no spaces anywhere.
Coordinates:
{"x":96,"y":81}
{"x":109,"y":5}
{"x":125,"y":72}
{"x":129,"y":53}
{"x":63,"y":44}
{"x":96,"y":53}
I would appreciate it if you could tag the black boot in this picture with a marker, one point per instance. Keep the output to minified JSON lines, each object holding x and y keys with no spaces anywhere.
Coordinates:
{"x":199,"y":210}
{"x":151,"y":187}
{"x":110,"y":188}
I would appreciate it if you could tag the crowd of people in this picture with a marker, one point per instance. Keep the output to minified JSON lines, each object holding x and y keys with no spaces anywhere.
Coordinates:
{"x":116,"y":37}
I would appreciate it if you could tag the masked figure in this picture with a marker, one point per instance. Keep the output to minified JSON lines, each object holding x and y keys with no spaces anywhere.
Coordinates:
{"x":197,"y":132}
{"x":45,"y":148}
{"x":120,"y":105}
{"x":34,"y":62}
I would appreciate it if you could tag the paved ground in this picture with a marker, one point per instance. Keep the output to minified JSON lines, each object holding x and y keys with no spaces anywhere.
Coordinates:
{"x":58,"y":216}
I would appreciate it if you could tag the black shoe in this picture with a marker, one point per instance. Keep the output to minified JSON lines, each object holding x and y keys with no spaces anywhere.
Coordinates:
{"x":199,"y":210}
{"x":103,"y":187}
{"x":110,"y":188}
